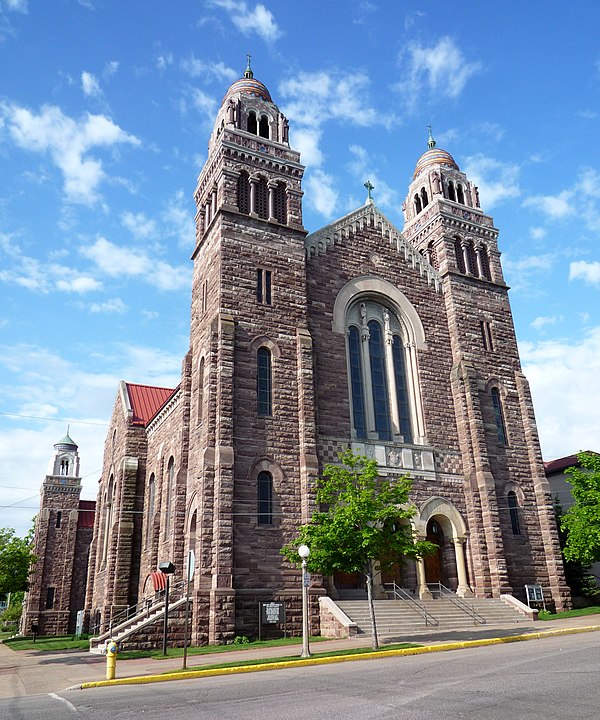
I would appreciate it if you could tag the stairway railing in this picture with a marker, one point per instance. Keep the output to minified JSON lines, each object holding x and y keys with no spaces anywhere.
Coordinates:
{"x":443,"y":592}
{"x":401,"y":594}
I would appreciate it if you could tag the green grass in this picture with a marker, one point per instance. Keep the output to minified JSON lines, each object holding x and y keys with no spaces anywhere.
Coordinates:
{"x":210,"y":649}
{"x":592,"y":610}
{"x":48,"y":642}
{"x":268,"y":661}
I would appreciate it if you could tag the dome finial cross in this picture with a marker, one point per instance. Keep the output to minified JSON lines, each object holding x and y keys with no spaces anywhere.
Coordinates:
{"x":248,"y":72}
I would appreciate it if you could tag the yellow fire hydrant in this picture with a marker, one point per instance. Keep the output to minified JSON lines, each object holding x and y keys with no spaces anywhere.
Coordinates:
{"x":112,"y":650}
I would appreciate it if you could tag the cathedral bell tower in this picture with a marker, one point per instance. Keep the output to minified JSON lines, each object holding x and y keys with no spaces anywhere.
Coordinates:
{"x":500,"y":449}
{"x":252,"y":438}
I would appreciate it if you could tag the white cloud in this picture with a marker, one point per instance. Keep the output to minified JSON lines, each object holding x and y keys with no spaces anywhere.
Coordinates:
{"x":139,"y":225}
{"x":307,"y":140}
{"x":115,"y":305}
{"x":554,"y":206}
{"x":15,"y":5}
{"x":563,"y":377}
{"x":321,"y":193}
{"x":90,"y":85}
{"x":538,"y":233}
{"x":163,"y":61}
{"x":205,"y":104}
{"x":363,"y":168}
{"x":543,"y":321}
{"x":116,"y":261}
{"x":249,"y":20}
{"x":442,"y":68}
{"x":523,"y":273}
{"x":81,"y":284}
{"x":110,"y":68}
{"x":208,"y":70}
{"x":589,"y":272}
{"x":497,"y":181}
{"x":178,"y":218}
{"x":68,"y":142}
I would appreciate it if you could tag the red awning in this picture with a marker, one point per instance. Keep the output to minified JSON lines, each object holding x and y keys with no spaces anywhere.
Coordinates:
{"x":159,"y":581}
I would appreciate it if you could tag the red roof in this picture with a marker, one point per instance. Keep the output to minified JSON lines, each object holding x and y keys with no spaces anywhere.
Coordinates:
{"x":560,"y":464}
{"x":146,"y":401}
{"x":85,"y":518}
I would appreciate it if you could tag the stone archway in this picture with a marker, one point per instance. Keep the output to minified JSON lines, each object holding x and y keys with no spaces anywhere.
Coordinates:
{"x":438,"y":516}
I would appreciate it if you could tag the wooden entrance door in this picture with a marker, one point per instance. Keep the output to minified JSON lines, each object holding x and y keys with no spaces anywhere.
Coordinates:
{"x":433,"y":563}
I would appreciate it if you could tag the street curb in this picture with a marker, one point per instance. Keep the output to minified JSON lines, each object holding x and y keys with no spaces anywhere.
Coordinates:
{"x":239,"y":669}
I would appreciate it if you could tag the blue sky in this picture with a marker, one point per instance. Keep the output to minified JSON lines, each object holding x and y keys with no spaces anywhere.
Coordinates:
{"x":105,"y":112}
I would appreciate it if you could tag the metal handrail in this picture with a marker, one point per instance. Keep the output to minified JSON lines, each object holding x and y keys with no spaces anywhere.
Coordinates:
{"x":134,"y":611}
{"x":460,"y":603}
{"x":419,"y":608}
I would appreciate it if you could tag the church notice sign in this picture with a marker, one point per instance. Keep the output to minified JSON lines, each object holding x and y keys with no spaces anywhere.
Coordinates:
{"x":271,"y":613}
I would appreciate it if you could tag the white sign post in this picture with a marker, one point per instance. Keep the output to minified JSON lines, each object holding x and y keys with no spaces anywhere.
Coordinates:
{"x":191,"y":564}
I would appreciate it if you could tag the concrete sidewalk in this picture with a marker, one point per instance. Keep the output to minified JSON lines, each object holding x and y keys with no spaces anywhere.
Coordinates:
{"x":38,"y":672}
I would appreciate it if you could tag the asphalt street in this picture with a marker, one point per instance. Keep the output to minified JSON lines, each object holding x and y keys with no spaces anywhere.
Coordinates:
{"x":537,"y":680}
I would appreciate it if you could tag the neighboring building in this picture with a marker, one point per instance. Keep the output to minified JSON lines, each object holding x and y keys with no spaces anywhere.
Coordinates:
{"x":398,"y":344}
{"x":61,"y":541}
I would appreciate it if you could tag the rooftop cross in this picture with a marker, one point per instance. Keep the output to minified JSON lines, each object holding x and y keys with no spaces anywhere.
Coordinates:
{"x":431,"y":142}
{"x":248,"y":72}
{"x":369,"y":187}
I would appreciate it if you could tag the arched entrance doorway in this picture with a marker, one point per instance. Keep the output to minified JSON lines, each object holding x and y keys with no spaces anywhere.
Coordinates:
{"x":433,"y":563}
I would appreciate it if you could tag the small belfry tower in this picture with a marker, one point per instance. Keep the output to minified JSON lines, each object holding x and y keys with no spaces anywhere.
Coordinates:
{"x":52,"y":597}
{"x":252,"y":434}
{"x":505,"y":485}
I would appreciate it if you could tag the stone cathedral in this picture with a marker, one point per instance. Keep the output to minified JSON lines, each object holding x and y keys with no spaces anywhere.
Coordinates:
{"x":399,"y":344}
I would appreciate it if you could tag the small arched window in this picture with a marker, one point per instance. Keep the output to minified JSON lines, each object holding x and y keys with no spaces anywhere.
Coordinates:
{"x":424,"y":198}
{"x":513,"y":510}
{"x":485,"y":262}
{"x":243,"y":193}
{"x":460,"y":196}
{"x":252,"y":124}
{"x":432,"y":256}
{"x":263,"y":126}
{"x":280,"y":203}
{"x":418,"y":206}
{"x":472,"y":260}
{"x":264,"y":393}
{"x":451,"y":193}
{"x":499,"y":415}
{"x":262,"y":198}
{"x":108,"y":517}
{"x":265,"y":498}
{"x":201,"y":391}
{"x":460,"y":258}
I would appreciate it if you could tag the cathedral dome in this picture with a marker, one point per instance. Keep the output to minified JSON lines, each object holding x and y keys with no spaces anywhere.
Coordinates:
{"x":249,"y":85}
{"x":434,"y":156}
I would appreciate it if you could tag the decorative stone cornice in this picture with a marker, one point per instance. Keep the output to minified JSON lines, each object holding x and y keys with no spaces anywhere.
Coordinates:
{"x":369,"y":216}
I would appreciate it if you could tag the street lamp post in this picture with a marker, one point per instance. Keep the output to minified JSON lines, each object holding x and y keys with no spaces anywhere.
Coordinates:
{"x":167,"y":568}
{"x":304,"y":552}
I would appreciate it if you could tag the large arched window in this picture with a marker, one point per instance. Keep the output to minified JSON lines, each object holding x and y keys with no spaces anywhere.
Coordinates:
{"x":513,"y":510}
{"x":252,"y":125}
{"x":382,"y":396}
{"x":499,"y":415}
{"x":263,"y":126}
{"x":261,"y":201}
{"x":280,"y":203}
{"x":265,"y":498}
{"x":264,"y":393}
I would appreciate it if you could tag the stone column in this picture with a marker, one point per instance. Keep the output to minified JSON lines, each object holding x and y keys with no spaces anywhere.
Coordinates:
{"x":253,"y":182}
{"x":463,"y":589}
{"x":271,"y":187}
{"x":424,"y":593}
{"x":478,"y":251}
{"x":214,"y":202}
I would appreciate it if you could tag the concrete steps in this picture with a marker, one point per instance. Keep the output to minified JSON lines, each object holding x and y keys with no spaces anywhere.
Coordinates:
{"x":395,"y":617}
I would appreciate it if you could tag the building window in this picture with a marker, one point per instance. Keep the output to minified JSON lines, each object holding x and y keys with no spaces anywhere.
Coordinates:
{"x":451,"y":193}
{"x":243,"y":193}
{"x":170,"y":490}
{"x":50,"y":592}
{"x":485,"y":262}
{"x":264,"y":382}
{"x":471,"y":259}
{"x":263,"y":286}
{"x":262,"y":199}
{"x":486,"y":335}
{"x":108,"y":517}
{"x":382,"y":398}
{"x":150,"y":508}
{"x":280,"y":203}
{"x":460,"y":258}
{"x":418,"y":206}
{"x":58,"y":518}
{"x":265,"y":498}
{"x":263,"y":126}
{"x":252,"y":123}
{"x":424,"y":198}
{"x":499,"y":415}
{"x":460,"y":197}
{"x":513,"y":509}
{"x":64,"y":467}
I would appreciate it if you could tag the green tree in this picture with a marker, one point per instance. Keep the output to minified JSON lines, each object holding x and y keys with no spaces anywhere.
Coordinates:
{"x":362,"y":518}
{"x":581,"y":522}
{"x":16,"y":560}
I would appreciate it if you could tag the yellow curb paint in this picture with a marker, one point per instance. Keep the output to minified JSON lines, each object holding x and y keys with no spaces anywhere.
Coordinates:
{"x":239,"y":669}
